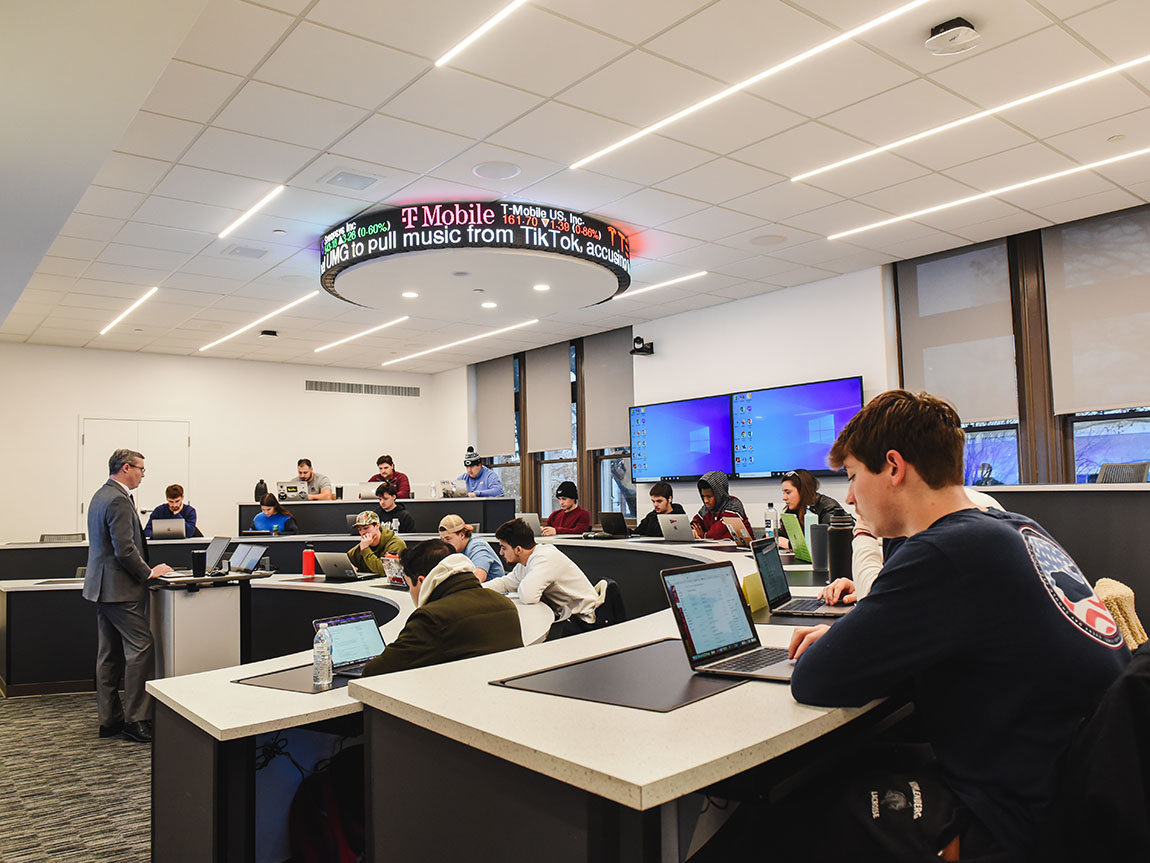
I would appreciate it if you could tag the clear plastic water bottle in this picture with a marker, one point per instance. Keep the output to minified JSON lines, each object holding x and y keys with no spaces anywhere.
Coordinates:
{"x":769,"y":522}
{"x":321,"y":658}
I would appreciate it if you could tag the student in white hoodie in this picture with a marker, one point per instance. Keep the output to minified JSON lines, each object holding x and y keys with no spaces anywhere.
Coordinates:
{"x":543,"y":573}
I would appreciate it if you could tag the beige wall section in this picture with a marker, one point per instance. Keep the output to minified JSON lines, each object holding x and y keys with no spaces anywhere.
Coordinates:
{"x":248,"y":420}
{"x":839,"y":327}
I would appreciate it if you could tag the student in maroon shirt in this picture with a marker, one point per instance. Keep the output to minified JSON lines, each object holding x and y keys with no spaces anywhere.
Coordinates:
{"x":570,"y":517}
{"x":388,"y":473}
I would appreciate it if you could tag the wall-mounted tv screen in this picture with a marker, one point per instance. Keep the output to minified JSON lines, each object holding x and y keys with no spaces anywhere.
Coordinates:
{"x":681,"y":440}
{"x":783,"y":428}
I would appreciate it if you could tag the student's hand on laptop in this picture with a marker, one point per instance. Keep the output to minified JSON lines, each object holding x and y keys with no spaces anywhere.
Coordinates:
{"x":472,"y":494}
{"x":160,"y":569}
{"x":783,"y":543}
{"x":804,"y":637}
{"x":840,"y":590}
{"x":548,"y":531}
{"x":695,"y":530}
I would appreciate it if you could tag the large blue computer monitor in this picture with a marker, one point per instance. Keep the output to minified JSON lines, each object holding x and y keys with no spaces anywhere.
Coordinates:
{"x":779,"y":429}
{"x":681,"y":440}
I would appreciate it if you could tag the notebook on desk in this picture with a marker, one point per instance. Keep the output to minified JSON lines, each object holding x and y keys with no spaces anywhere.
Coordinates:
{"x":778,"y":590}
{"x":355,"y":641}
{"x":715,"y":623}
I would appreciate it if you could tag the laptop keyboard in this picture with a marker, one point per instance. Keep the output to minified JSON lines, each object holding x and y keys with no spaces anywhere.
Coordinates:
{"x":752,"y":661}
{"x":803,"y":605}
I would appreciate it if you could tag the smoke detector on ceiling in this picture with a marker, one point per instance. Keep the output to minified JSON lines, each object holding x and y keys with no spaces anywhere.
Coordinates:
{"x":952,"y":37}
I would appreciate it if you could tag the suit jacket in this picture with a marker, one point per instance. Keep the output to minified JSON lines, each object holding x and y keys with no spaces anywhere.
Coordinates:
{"x":117,"y":571}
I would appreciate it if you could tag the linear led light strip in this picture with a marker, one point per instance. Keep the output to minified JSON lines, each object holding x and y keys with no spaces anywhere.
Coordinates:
{"x":128,"y":310}
{"x":255,"y":209}
{"x":462,"y":342}
{"x":992,"y":193}
{"x":755,"y":79}
{"x":364,"y":333}
{"x":483,"y":28}
{"x":962,"y":121}
{"x":626,"y":295}
{"x":244,"y":329}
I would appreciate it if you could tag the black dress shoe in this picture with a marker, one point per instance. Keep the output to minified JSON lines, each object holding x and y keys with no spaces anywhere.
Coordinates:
{"x":141,"y":731}
{"x":112,"y":730}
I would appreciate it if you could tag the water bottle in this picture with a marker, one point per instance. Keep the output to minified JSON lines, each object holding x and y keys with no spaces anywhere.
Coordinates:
{"x":308,"y":565}
{"x":839,"y":550}
{"x":261,"y":490}
{"x":769,"y":522}
{"x":321,"y":658}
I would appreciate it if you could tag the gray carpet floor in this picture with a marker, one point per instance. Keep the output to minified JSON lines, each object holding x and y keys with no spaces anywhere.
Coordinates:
{"x":66,"y":795}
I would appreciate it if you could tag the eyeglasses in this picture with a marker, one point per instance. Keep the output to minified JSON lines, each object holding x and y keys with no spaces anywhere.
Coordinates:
{"x":138,"y":467}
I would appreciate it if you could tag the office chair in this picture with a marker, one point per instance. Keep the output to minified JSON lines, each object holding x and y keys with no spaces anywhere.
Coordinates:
{"x":611,"y":610}
{"x":62,"y":537}
{"x":1135,"y":471}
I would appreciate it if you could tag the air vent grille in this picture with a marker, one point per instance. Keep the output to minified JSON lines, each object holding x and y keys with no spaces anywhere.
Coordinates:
{"x":360,"y":389}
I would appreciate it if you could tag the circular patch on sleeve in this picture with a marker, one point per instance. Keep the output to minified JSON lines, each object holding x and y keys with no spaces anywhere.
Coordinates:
{"x":1069,"y":589}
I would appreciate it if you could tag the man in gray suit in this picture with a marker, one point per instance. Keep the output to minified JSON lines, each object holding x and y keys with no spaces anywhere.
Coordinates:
{"x":117,"y":581}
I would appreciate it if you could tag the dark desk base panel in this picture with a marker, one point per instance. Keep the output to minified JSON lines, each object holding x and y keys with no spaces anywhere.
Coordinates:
{"x":32,"y":663}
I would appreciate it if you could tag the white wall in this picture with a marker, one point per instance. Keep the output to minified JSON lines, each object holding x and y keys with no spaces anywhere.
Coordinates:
{"x":248,"y":421}
{"x":839,"y":327}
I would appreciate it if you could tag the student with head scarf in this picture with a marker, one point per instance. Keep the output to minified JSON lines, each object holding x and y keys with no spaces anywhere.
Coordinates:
{"x":717,"y":505}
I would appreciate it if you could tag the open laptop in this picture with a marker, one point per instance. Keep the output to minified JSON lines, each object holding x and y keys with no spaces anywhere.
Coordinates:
{"x":212,"y":556}
{"x":448,"y":488}
{"x":738,"y":530}
{"x":246,"y":558}
{"x":355,"y":641}
{"x":676,"y":527}
{"x":336,"y":566}
{"x":715,"y":623}
{"x":293,"y":490}
{"x":796,"y":536}
{"x":168,"y":528}
{"x":614,"y":527}
{"x":367,"y":490}
{"x":531,"y":519}
{"x":778,"y":589}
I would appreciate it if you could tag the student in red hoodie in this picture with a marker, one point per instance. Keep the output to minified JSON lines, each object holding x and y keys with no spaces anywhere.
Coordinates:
{"x":570,"y":517}
{"x":717,"y":505}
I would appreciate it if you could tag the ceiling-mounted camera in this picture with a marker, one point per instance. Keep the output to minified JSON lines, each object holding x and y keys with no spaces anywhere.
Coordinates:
{"x":642,"y":347}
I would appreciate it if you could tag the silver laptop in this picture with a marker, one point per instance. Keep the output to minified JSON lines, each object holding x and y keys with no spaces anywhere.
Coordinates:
{"x":676,"y":527}
{"x":213,"y":554}
{"x":452,"y":488}
{"x":337,"y":566}
{"x":715,"y":623}
{"x":293,"y":490}
{"x":246,"y":558}
{"x":531,"y":519}
{"x":367,"y":490}
{"x":355,"y":641}
{"x":778,"y":589}
{"x":168,"y":528}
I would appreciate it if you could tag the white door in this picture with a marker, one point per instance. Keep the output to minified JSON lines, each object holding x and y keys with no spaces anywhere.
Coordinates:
{"x":164,"y":443}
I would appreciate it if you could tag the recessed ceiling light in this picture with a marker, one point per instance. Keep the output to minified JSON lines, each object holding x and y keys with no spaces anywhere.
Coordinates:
{"x":489,"y":305}
{"x":410,"y":295}
{"x":496,"y":170}
{"x":364,"y":333}
{"x":626,"y":295}
{"x":542,"y":288}
{"x":481,"y":29}
{"x":259,"y":321}
{"x":463,"y":341}
{"x":128,"y":310}
{"x":992,"y":193}
{"x":461,"y":273}
{"x":260,"y":203}
{"x":755,"y":79}
{"x":279,"y":231}
{"x":478,"y":291}
{"x":1114,"y":139}
{"x":768,"y":240}
{"x":269,"y":334}
{"x":962,"y":121}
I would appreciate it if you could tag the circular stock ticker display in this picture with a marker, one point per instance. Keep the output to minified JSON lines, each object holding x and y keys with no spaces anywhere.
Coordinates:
{"x":473,"y":225}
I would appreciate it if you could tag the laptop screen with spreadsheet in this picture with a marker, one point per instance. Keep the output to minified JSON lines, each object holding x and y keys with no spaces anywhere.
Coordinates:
{"x":710,"y":609}
{"x":355,"y":638}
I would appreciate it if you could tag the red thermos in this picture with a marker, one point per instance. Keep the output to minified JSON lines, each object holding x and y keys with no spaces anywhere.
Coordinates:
{"x":308,"y":561}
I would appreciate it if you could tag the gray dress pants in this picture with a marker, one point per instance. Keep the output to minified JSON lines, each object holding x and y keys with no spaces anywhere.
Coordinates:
{"x":124,"y":648}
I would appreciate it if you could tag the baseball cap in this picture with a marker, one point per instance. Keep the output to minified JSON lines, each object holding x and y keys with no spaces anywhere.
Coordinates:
{"x":366,"y":517}
{"x":451,"y":524}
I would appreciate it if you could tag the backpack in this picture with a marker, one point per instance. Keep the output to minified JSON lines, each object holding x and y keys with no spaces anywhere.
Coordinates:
{"x":326,"y":819}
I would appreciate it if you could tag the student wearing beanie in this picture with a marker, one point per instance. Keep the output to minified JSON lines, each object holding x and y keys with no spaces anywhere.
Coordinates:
{"x":481,"y":480}
{"x":570,"y":518}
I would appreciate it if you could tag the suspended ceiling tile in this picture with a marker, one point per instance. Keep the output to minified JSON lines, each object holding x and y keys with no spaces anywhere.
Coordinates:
{"x":233,"y":36}
{"x":561,"y":133}
{"x":285,"y":115}
{"x":134,"y":173}
{"x":719,"y":180}
{"x":733,"y":123}
{"x":191,"y":92}
{"x":400,"y":144}
{"x":236,"y":153}
{"x":449,"y":99}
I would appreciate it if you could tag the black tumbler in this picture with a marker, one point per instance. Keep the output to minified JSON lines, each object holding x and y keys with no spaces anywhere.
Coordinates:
{"x":198,"y":563}
{"x":819,"y":552}
{"x":839,"y":551}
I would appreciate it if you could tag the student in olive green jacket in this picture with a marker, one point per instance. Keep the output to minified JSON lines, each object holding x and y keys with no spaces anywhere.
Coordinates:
{"x":454,"y":617}
{"x":374,"y":543}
